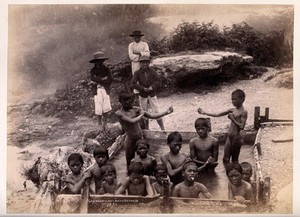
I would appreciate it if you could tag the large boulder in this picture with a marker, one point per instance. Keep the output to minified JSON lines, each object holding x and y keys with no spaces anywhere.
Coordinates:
{"x":205,"y":64}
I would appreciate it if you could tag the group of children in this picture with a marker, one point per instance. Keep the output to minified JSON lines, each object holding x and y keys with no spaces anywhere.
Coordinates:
{"x":177,"y":171}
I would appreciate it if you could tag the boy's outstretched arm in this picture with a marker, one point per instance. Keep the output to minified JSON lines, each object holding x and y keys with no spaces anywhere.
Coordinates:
{"x":129,"y":119}
{"x":200,"y":111}
{"x":158,"y":115}
{"x":240,"y":125}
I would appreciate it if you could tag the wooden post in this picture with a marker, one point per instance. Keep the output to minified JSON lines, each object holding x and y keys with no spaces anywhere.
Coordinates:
{"x":266,"y":119}
{"x":256,"y":117}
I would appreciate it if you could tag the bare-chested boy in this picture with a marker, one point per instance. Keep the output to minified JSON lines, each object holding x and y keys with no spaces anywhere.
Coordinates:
{"x":75,"y":180}
{"x":110,"y":183}
{"x":174,"y":160}
{"x":149,"y":162}
{"x":101,"y":156}
{"x":189,"y":188}
{"x":204,"y":149}
{"x":238,"y":189}
{"x":129,"y":117}
{"x":238,"y":117}
{"x":136,"y":183}
{"x":162,"y":184}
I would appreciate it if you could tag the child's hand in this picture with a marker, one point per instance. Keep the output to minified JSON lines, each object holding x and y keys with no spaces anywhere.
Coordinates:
{"x":200,"y":111}
{"x":230,"y":116}
{"x":210,"y":160}
{"x":170,"y":110}
{"x":239,"y":199}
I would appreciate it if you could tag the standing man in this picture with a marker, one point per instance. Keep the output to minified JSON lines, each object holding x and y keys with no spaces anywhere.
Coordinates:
{"x":136,"y":49}
{"x":147,"y":81}
{"x":102,"y":78}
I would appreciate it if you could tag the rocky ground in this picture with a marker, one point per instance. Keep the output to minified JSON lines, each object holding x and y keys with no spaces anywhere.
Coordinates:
{"x":33,"y":135}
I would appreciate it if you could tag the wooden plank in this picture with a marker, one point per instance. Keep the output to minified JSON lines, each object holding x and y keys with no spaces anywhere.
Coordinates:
{"x":282,"y":140}
{"x":85,"y":197}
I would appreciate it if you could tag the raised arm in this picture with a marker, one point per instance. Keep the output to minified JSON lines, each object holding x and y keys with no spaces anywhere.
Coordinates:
{"x":240,"y":125}
{"x":129,"y":119}
{"x":158,"y":115}
{"x":200,"y":111}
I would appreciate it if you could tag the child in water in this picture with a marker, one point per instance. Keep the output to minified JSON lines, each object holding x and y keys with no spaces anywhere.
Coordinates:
{"x":136,"y":183}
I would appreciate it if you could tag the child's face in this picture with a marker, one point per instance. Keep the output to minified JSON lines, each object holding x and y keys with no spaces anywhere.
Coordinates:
{"x":128,"y":103}
{"x":202,"y":131}
{"x":161,"y":176}
{"x":75,"y":166}
{"x":175,"y":147}
{"x":101,"y":159}
{"x":144,"y":64}
{"x":109,"y":177}
{"x":136,"y":178}
{"x":235,"y":177}
{"x":142,"y":150}
{"x":190,"y":173}
{"x":246,"y":175}
{"x":236,"y":100}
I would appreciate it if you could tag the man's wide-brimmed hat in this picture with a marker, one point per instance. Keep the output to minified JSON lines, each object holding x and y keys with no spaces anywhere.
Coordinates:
{"x":98,"y":56}
{"x":136,"y":33}
{"x":144,"y":58}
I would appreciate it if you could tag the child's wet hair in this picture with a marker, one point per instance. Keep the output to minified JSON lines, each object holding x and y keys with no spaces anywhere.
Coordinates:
{"x":241,"y":94}
{"x":109,"y":167}
{"x":101,"y":150}
{"x":233,"y":166}
{"x":174,"y":136}
{"x":142,"y":141}
{"x":75,"y":157}
{"x":160,"y":167}
{"x":125,"y":95}
{"x":246,"y":165}
{"x":201,"y":122}
{"x":187,"y":163}
{"x":136,"y":167}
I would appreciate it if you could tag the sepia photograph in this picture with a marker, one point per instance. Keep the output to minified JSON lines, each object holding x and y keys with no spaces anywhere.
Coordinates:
{"x":150,"y":108}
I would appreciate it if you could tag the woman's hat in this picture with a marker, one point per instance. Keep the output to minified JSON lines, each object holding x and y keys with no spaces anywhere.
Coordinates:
{"x":98,"y":56}
{"x":136,"y":33}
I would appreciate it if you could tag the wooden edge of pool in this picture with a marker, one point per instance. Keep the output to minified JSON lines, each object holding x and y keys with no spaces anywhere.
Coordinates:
{"x":249,"y":136}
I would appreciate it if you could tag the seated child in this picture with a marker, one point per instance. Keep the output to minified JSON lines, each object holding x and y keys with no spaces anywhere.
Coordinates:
{"x":149,"y":162}
{"x":247,"y":172}
{"x":204,"y":149}
{"x":130,"y":117}
{"x":75,"y":180}
{"x":189,"y":188}
{"x":162,"y":180}
{"x":136,"y":183}
{"x":110,"y":184}
{"x":174,"y":160}
{"x":101,"y":156}
{"x":238,"y":189}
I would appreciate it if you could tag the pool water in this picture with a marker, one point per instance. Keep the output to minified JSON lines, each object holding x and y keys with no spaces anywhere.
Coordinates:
{"x":216,"y":183}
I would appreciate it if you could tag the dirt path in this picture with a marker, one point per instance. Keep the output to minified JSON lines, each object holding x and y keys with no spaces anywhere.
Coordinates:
{"x":51,"y":132}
